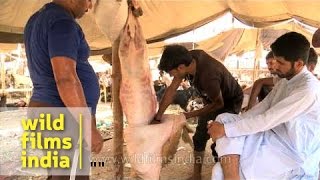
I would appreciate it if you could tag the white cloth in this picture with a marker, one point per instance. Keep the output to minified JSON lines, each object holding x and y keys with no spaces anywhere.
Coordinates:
{"x":280,"y":137}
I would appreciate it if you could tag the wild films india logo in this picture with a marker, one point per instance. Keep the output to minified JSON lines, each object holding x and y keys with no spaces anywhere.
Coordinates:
{"x":59,"y":137}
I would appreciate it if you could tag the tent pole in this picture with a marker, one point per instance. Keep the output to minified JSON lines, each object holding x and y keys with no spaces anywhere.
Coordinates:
{"x":3,"y":73}
{"x":105,"y":93}
{"x":117,"y":113}
{"x":258,"y":54}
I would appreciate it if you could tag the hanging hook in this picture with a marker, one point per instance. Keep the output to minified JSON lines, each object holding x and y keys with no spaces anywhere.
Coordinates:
{"x":136,"y":11}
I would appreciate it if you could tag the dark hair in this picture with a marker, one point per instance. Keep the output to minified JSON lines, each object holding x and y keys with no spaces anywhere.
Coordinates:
{"x":292,"y":46}
{"x":313,"y":57}
{"x":173,"y":56}
{"x":269,"y":55}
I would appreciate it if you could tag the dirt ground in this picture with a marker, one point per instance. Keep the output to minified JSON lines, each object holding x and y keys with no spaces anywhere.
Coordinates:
{"x":180,"y":169}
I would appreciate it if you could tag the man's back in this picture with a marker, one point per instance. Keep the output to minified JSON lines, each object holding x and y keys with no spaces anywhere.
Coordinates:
{"x":212,"y":77}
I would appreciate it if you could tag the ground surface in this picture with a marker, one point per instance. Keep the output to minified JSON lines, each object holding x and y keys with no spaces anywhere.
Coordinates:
{"x":180,"y":169}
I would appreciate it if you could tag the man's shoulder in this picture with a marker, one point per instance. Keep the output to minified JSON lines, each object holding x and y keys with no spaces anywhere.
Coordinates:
{"x":306,"y":83}
{"x":207,"y":66}
{"x":196,"y":51}
{"x":201,"y":54}
{"x":311,"y":82}
{"x":203,"y":58}
{"x":53,"y":13}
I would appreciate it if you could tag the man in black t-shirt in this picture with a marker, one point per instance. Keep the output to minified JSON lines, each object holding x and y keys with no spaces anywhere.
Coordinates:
{"x":212,"y":80}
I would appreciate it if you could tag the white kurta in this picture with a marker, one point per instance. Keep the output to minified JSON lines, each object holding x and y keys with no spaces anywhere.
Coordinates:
{"x":280,"y":137}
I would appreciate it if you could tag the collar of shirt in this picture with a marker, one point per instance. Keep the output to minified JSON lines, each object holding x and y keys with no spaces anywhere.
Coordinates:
{"x":298,"y":76}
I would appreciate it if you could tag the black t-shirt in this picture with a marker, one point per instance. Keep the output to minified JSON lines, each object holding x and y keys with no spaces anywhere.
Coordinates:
{"x":212,"y":77}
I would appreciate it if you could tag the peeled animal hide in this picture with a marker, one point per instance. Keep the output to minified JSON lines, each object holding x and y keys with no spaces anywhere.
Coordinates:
{"x":148,"y":146}
{"x":110,"y":16}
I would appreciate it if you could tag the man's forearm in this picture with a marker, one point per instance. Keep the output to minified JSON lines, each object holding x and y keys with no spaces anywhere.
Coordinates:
{"x":257,"y":86}
{"x":71,"y":93}
{"x":254,"y":94}
{"x":165,"y":102}
{"x":167,"y":99}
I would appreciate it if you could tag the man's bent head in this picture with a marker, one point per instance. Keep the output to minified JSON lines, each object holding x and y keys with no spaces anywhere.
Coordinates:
{"x":270,"y":63}
{"x":291,"y":51}
{"x":175,"y":57}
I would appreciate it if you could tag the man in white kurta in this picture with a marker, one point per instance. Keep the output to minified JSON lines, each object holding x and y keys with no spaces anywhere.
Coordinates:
{"x":280,"y":137}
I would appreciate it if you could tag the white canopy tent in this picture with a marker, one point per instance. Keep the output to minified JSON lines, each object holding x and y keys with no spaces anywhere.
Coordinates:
{"x":162,"y":19}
